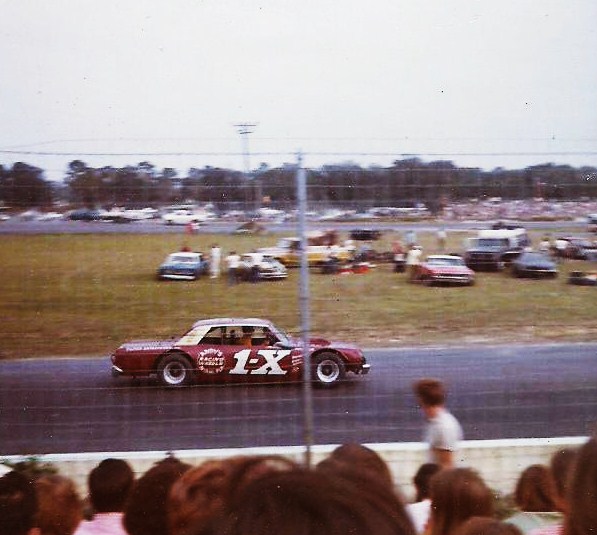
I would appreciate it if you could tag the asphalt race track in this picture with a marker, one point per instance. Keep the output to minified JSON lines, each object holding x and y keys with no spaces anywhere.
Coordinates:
{"x":74,"y":405}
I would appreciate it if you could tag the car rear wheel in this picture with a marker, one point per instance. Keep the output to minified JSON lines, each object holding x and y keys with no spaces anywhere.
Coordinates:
{"x":175,"y":370}
{"x":328,"y":369}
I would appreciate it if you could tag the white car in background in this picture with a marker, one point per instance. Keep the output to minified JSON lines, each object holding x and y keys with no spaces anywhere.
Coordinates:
{"x":258,"y":266}
{"x":184,"y":217}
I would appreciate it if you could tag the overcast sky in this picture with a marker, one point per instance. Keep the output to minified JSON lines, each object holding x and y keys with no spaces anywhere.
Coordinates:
{"x":486,"y":83}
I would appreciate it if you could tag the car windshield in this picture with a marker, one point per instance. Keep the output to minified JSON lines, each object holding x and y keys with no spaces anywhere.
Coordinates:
{"x":533,"y":257}
{"x":182,"y":259}
{"x":492,"y":242}
{"x":445,"y":261}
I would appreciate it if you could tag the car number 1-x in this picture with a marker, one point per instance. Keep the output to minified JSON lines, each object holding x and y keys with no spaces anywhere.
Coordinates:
{"x":270,"y":367}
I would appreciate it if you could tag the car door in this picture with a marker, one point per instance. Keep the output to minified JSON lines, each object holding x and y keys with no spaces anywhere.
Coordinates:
{"x":255,"y":358}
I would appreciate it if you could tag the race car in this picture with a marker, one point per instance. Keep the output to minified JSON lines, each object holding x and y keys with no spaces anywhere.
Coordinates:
{"x":183,"y":266}
{"x":236,"y":350}
{"x":444,"y":269}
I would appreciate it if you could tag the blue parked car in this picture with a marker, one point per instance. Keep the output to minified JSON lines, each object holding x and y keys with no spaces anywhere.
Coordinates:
{"x":532,"y":264}
{"x":183,"y":266}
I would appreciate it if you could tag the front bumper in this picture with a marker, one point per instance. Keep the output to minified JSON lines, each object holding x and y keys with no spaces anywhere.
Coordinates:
{"x":364,"y":370}
{"x":177,"y":276}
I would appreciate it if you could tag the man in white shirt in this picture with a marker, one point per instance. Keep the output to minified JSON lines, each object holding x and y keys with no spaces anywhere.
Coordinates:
{"x":215,"y":258}
{"x":233,"y":263}
{"x":443,"y":432}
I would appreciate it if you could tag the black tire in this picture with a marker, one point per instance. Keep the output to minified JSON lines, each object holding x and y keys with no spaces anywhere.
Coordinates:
{"x":328,"y":369}
{"x":175,"y":370}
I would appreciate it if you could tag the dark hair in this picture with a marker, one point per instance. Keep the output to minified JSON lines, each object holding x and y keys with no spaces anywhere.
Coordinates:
{"x":535,"y":491}
{"x":359,"y":458}
{"x":18,"y":504}
{"x":145,"y":512}
{"x":308,"y":502}
{"x":581,"y":518}
{"x":561,"y":466}
{"x":200,"y":494}
{"x":109,"y":485}
{"x":483,"y":525}
{"x":422,"y":480}
{"x":59,"y":507}
{"x":458,"y":494}
{"x":430,"y":392}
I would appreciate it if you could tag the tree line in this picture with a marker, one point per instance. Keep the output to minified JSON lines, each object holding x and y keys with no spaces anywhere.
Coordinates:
{"x":405,"y":183}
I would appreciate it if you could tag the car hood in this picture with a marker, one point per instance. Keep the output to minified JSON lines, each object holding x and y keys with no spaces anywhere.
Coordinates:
{"x":542,"y":264}
{"x":180,"y":265}
{"x":448,"y":270}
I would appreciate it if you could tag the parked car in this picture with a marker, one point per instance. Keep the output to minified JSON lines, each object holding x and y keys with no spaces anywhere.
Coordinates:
{"x":578,"y":248}
{"x":493,"y":249}
{"x":580,"y":278}
{"x":184,"y":217}
{"x":365,"y":234}
{"x":84,"y":215}
{"x":258,"y":266}
{"x":183,"y":266}
{"x":236,"y":350}
{"x":534,"y":264}
{"x":444,"y":269}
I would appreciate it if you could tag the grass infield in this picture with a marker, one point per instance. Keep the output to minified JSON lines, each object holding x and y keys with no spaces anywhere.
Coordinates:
{"x":66,"y":295}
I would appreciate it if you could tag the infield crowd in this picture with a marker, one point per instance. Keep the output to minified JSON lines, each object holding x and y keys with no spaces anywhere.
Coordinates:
{"x":350,"y":492}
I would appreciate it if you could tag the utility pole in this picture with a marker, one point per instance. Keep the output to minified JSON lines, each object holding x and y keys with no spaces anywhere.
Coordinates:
{"x":244,"y":129}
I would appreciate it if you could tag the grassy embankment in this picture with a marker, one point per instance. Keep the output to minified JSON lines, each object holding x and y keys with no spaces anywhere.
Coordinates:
{"x":84,"y":295}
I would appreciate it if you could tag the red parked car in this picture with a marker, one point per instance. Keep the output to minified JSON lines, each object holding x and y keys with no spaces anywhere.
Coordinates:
{"x":236,"y":350}
{"x":444,"y":269}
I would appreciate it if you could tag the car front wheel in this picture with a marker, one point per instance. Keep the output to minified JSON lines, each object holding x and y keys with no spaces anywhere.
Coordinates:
{"x":175,"y":370}
{"x":328,"y":369}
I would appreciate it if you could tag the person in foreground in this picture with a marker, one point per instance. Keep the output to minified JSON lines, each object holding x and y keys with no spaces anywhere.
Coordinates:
{"x":109,"y":485}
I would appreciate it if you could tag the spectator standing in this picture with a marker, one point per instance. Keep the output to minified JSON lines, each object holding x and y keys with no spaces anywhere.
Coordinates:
{"x":359,"y":458}
{"x":581,"y":515}
{"x":420,"y":510}
{"x":561,"y":465}
{"x":443,"y":432}
{"x":535,"y":496}
{"x":109,"y":485}
{"x":411,"y":238}
{"x":442,"y":239}
{"x":215,"y":260}
{"x":233,"y":265}
{"x":146,"y":511}
{"x":457,"y":494}
{"x":413,"y":259}
{"x":311,"y":502}
{"x":59,"y":507}
{"x":18,"y":505}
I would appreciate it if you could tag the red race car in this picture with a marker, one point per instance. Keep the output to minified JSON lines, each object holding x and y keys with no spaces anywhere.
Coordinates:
{"x":444,"y":269}
{"x":236,"y":350}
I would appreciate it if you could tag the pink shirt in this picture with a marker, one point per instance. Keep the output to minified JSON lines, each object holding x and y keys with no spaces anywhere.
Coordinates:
{"x":102,"y":524}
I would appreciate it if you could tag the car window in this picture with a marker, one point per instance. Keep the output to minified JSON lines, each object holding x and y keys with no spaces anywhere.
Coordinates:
{"x":215,"y":336}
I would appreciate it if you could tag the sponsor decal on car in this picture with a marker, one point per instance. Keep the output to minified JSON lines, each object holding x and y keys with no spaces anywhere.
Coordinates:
{"x":146,"y":346}
{"x":270,"y":367}
{"x":210,"y":361}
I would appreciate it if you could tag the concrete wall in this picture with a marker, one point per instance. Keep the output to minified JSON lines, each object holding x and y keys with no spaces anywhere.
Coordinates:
{"x":498,"y":461}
